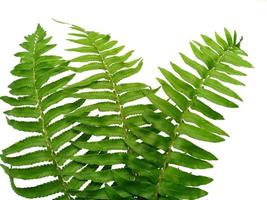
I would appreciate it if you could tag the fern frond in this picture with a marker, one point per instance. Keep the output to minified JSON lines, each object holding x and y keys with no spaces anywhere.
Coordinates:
{"x":35,"y":95}
{"x":115,"y":99}
{"x":128,"y":150}
{"x":184,"y":118}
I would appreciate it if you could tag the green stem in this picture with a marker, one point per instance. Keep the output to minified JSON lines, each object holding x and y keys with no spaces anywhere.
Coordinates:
{"x":115,"y":92}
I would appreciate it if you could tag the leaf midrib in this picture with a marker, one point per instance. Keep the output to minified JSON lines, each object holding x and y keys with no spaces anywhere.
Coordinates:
{"x":120,"y":106}
{"x":177,"y":128}
{"x":114,"y":89}
{"x":44,"y":128}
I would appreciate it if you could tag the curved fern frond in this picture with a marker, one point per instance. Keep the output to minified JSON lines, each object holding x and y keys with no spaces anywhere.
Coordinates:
{"x":37,"y":108}
{"x":171,"y":152}
{"x":105,"y":90}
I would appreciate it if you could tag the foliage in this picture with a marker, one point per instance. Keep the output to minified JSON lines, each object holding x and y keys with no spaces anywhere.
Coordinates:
{"x":95,"y":138}
{"x":187,"y":120}
{"x":36,"y":110}
{"x":116,"y":100}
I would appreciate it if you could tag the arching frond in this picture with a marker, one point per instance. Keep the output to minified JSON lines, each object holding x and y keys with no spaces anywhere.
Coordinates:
{"x":168,"y":159}
{"x":105,"y":90}
{"x":35,"y":108}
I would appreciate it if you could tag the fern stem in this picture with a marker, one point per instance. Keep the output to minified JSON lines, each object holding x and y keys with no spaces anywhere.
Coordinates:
{"x":120,"y":106}
{"x":114,"y":88}
{"x":176,"y":130}
{"x":44,"y":130}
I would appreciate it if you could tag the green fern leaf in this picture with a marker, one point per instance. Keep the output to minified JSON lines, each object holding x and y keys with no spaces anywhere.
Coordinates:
{"x":183,"y":118}
{"x":33,"y":97}
{"x":115,"y":99}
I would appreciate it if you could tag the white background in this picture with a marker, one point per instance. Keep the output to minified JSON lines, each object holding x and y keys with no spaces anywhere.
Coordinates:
{"x":158,"y":30}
